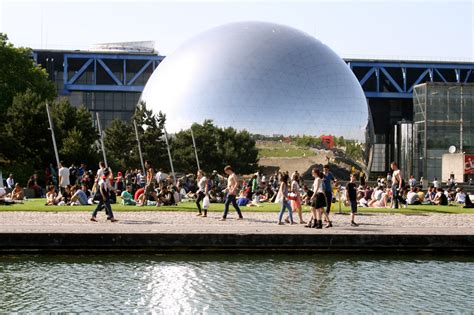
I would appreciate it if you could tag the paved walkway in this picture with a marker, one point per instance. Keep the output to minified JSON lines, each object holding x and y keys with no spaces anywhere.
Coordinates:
{"x":259,"y":223}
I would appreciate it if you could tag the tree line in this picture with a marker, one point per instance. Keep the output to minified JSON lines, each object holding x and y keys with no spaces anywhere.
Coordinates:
{"x":25,"y":139}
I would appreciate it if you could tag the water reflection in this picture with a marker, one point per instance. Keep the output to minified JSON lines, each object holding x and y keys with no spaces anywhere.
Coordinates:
{"x":236,"y":284}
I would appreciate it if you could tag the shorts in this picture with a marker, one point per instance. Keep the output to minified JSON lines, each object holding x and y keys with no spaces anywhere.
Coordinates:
{"x":353,"y":206}
{"x":319,"y":202}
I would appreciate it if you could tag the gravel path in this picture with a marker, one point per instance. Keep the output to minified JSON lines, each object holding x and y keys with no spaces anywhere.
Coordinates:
{"x":188,"y":222}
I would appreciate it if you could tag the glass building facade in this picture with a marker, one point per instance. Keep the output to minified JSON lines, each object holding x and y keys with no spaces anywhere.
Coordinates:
{"x":443,"y":116}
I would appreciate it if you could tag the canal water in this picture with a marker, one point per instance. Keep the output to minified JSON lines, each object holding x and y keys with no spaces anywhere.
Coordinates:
{"x":217,"y":284}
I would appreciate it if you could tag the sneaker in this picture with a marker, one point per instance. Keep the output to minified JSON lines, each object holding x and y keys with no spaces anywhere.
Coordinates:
{"x":354,"y":224}
{"x":280,"y":223}
{"x":93,"y":219}
{"x":113,"y":220}
{"x":199,"y":214}
{"x":240,"y":218}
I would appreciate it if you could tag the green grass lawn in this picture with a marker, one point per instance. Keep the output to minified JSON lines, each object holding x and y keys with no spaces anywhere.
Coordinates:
{"x":283,"y":150}
{"x":38,"y":205}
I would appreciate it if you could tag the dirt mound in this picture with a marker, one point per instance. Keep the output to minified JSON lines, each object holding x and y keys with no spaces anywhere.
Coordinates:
{"x":339,"y":167}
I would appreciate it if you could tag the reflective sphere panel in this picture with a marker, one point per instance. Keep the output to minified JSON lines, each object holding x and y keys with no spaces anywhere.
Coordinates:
{"x":265,"y":78}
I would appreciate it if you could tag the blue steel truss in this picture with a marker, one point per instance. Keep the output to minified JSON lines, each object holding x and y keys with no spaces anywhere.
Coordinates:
{"x":392,"y":79}
{"x":96,"y":61}
{"x":378,"y":78}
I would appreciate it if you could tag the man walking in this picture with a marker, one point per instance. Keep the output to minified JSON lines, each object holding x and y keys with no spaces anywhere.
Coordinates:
{"x":104,"y":201}
{"x":328,"y":180}
{"x":232,"y":186}
{"x":351,"y":197}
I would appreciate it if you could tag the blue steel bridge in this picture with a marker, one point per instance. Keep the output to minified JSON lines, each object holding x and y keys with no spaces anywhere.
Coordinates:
{"x":378,"y":78}
{"x":111,"y":82}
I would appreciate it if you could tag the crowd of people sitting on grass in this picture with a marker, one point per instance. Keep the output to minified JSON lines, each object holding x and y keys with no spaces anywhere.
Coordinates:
{"x":79,"y":186}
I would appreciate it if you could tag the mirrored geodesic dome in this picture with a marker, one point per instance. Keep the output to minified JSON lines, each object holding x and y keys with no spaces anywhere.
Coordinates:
{"x":266,"y":78}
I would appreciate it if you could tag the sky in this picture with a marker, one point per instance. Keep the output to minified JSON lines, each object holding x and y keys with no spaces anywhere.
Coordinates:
{"x":434,"y":30}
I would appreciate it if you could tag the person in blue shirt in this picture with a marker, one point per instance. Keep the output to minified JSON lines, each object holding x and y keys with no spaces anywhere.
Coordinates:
{"x":328,"y":180}
{"x":78,"y":197}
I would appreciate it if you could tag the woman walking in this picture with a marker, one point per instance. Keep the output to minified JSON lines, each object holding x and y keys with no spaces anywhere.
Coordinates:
{"x":295,"y":197}
{"x":283,"y":195}
{"x":202,"y":191}
{"x":318,"y":201}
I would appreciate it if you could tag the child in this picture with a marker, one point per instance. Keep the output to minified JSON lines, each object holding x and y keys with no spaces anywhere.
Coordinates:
{"x":51,"y":196}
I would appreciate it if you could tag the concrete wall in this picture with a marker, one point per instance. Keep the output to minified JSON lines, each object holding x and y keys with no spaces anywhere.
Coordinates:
{"x":452,"y":164}
{"x":71,"y":243}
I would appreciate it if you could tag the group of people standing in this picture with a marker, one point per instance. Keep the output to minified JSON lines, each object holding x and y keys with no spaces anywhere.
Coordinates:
{"x":289,"y":196}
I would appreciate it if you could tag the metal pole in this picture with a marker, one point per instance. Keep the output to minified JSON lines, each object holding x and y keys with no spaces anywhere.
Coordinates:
{"x":195,"y":149}
{"x":139,"y":146}
{"x":101,"y":134}
{"x":52,"y":135}
{"x":169,"y":155}
{"x":461,"y":125}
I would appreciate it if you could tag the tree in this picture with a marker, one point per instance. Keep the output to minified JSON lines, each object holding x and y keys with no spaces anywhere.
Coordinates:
{"x":151,"y":133}
{"x":19,"y":73}
{"x":121,"y":144}
{"x":216,"y":147}
{"x":75,"y":133}
{"x":28,"y":144}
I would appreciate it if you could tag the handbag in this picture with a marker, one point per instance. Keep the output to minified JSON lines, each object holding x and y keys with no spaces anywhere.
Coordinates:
{"x":292,"y":196}
{"x":206,"y":202}
{"x":279,"y":198}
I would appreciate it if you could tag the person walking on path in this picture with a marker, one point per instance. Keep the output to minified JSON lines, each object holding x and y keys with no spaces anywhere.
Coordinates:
{"x":318,"y":201}
{"x":104,"y":201}
{"x":202,"y":191}
{"x":285,"y":203}
{"x":397,"y":185}
{"x":232,"y":185}
{"x":328,"y":180}
{"x":351,"y":197}
{"x":295,"y":197}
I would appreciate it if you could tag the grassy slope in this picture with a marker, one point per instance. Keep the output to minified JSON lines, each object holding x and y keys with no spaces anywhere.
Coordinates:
{"x":282,"y":150}
{"x":38,"y":206}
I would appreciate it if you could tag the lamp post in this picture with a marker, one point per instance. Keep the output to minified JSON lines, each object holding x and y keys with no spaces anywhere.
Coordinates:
{"x":169,"y":155}
{"x":51,"y":127}
{"x":139,"y":146}
{"x":101,"y":134}
{"x":195,"y":149}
